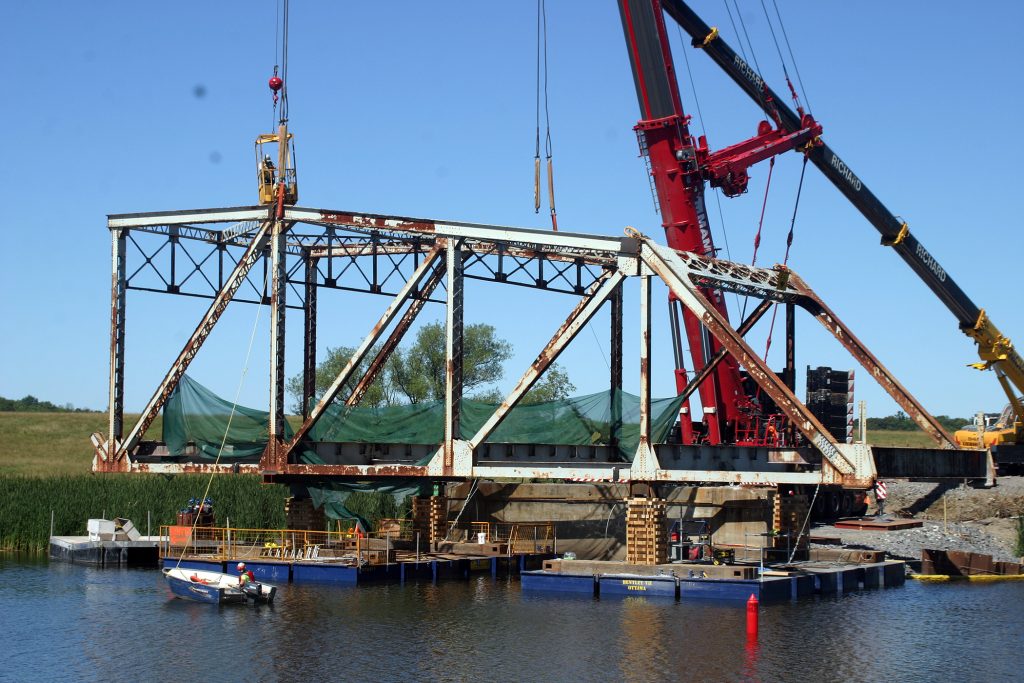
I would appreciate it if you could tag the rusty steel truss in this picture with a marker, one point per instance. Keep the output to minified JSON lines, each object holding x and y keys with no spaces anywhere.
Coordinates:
{"x":247,"y":255}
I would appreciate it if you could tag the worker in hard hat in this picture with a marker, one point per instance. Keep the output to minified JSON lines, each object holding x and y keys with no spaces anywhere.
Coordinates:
{"x":244,"y":576}
{"x":267,"y":170}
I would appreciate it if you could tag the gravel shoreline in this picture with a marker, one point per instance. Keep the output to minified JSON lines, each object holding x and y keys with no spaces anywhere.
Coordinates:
{"x":954,"y":518}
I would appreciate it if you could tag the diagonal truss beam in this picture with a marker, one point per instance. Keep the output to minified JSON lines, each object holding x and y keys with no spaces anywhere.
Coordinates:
{"x":742,"y":330}
{"x":782,"y":284}
{"x":378,"y":330}
{"x":587,"y":307}
{"x":824,"y":315}
{"x":253,"y":253}
{"x":674,"y":270}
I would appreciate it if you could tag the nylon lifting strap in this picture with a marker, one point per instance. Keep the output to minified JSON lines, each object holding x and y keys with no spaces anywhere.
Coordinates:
{"x":542,"y":57}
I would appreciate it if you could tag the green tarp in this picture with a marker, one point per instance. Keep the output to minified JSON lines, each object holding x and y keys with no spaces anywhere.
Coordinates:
{"x":195,"y":414}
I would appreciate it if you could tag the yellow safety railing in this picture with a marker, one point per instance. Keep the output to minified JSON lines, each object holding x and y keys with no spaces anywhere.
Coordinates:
{"x":344,"y":545}
{"x":521,"y":537}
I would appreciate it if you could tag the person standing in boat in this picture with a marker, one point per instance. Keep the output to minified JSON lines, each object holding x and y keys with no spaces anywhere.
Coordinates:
{"x":244,"y":576}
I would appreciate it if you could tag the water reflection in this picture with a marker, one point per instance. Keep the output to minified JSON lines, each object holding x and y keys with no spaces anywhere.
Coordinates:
{"x":71,"y":623}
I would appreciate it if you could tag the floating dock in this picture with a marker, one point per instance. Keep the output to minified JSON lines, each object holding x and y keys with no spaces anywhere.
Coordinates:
{"x":429,"y":567}
{"x":712,"y":582}
{"x":143,"y":552}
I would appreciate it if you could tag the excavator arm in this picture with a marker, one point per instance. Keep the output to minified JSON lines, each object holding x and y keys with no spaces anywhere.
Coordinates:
{"x":996,"y":351}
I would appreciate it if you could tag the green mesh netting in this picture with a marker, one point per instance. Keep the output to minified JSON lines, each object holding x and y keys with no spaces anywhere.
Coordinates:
{"x":194,"y":414}
{"x":582,"y":420}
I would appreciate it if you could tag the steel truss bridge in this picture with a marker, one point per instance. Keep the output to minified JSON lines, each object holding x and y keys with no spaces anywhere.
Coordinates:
{"x":248,"y":255}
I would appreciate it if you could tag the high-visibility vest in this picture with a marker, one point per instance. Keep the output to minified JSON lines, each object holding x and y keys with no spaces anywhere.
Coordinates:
{"x":880,"y":491}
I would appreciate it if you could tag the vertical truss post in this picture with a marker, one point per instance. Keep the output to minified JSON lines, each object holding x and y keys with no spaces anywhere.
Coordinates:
{"x":253,"y":253}
{"x":790,"y":374}
{"x":616,"y":367}
{"x":115,"y":426}
{"x":645,"y":463}
{"x":309,"y":336}
{"x":453,"y":353}
{"x":272,"y":460}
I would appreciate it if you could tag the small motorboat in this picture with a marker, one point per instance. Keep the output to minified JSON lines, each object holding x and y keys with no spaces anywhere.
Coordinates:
{"x":215,"y":587}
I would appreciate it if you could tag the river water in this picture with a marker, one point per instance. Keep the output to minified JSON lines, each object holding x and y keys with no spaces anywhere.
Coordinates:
{"x":71,"y":623}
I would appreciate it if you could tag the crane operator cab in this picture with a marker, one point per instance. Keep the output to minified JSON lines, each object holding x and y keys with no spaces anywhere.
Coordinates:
{"x":269,"y":176}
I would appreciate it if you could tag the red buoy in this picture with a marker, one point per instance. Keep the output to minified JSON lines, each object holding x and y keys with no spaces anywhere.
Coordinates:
{"x":275,"y":83}
{"x":752,"y":617}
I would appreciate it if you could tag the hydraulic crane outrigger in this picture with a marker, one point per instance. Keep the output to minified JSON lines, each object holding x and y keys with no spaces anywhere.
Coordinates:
{"x":995,"y":350}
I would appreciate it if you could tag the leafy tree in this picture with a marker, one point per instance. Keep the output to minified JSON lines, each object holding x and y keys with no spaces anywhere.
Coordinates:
{"x":419,"y":372}
{"x":553,"y":385}
{"x":330,"y":367}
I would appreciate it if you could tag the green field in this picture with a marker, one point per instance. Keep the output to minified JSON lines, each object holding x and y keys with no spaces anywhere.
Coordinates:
{"x":48,"y":444}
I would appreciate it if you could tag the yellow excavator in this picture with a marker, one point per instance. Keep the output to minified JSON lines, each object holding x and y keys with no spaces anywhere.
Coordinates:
{"x":989,"y":431}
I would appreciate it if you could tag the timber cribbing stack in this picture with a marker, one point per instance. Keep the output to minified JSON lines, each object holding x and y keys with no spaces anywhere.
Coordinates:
{"x":646,"y":541}
{"x":788,"y":515}
{"x":430,"y":517}
{"x":302,"y":516}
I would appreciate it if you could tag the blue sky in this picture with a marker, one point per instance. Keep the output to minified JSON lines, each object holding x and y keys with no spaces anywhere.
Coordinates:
{"x":427,"y":109}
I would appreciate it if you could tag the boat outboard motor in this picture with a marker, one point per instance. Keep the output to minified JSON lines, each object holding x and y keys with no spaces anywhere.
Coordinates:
{"x":252,"y":590}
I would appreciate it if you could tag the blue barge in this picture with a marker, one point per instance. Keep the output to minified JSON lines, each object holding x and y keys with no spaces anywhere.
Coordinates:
{"x":427,"y":568}
{"x":726,"y":583}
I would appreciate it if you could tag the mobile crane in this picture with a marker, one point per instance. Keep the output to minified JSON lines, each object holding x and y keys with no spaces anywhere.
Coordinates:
{"x":680,"y":165}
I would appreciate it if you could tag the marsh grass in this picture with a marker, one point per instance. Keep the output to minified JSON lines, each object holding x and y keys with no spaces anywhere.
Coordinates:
{"x":26,"y":503}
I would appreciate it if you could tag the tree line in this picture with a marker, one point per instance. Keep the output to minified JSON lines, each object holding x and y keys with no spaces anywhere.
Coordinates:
{"x":31,"y":404}
{"x":901,"y":423}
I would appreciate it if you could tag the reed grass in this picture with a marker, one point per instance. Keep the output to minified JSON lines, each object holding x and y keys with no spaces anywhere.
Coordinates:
{"x":26,"y":503}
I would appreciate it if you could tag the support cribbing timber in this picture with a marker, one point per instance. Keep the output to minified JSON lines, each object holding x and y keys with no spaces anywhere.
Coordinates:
{"x":253,"y":253}
{"x":993,"y":348}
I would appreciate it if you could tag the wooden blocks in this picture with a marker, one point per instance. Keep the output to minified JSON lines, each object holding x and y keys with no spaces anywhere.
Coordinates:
{"x":302,"y":516}
{"x":430,"y":517}
{"x":788,"y":515}
{"x":646,"y":539}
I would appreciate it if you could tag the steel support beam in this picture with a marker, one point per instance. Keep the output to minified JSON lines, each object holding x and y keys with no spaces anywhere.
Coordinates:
{"x":115,"y":425}
{"x":616,"y":366}
{"x":378,"y":330}
{"x":645,"y":462}
{"x":309,"y":337}
{"x":274,"y":458}
{"x":555,"y":241}
{"x":252,"y":254}
{"x":453,"y":357}
{"x":587,"y":307}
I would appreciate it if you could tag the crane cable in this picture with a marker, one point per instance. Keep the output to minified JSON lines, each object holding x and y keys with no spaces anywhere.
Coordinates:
{"x":785,"y":260}
{"x":785,"y":72}
{"x":789,"y":48}
{"x":542,"y":55}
